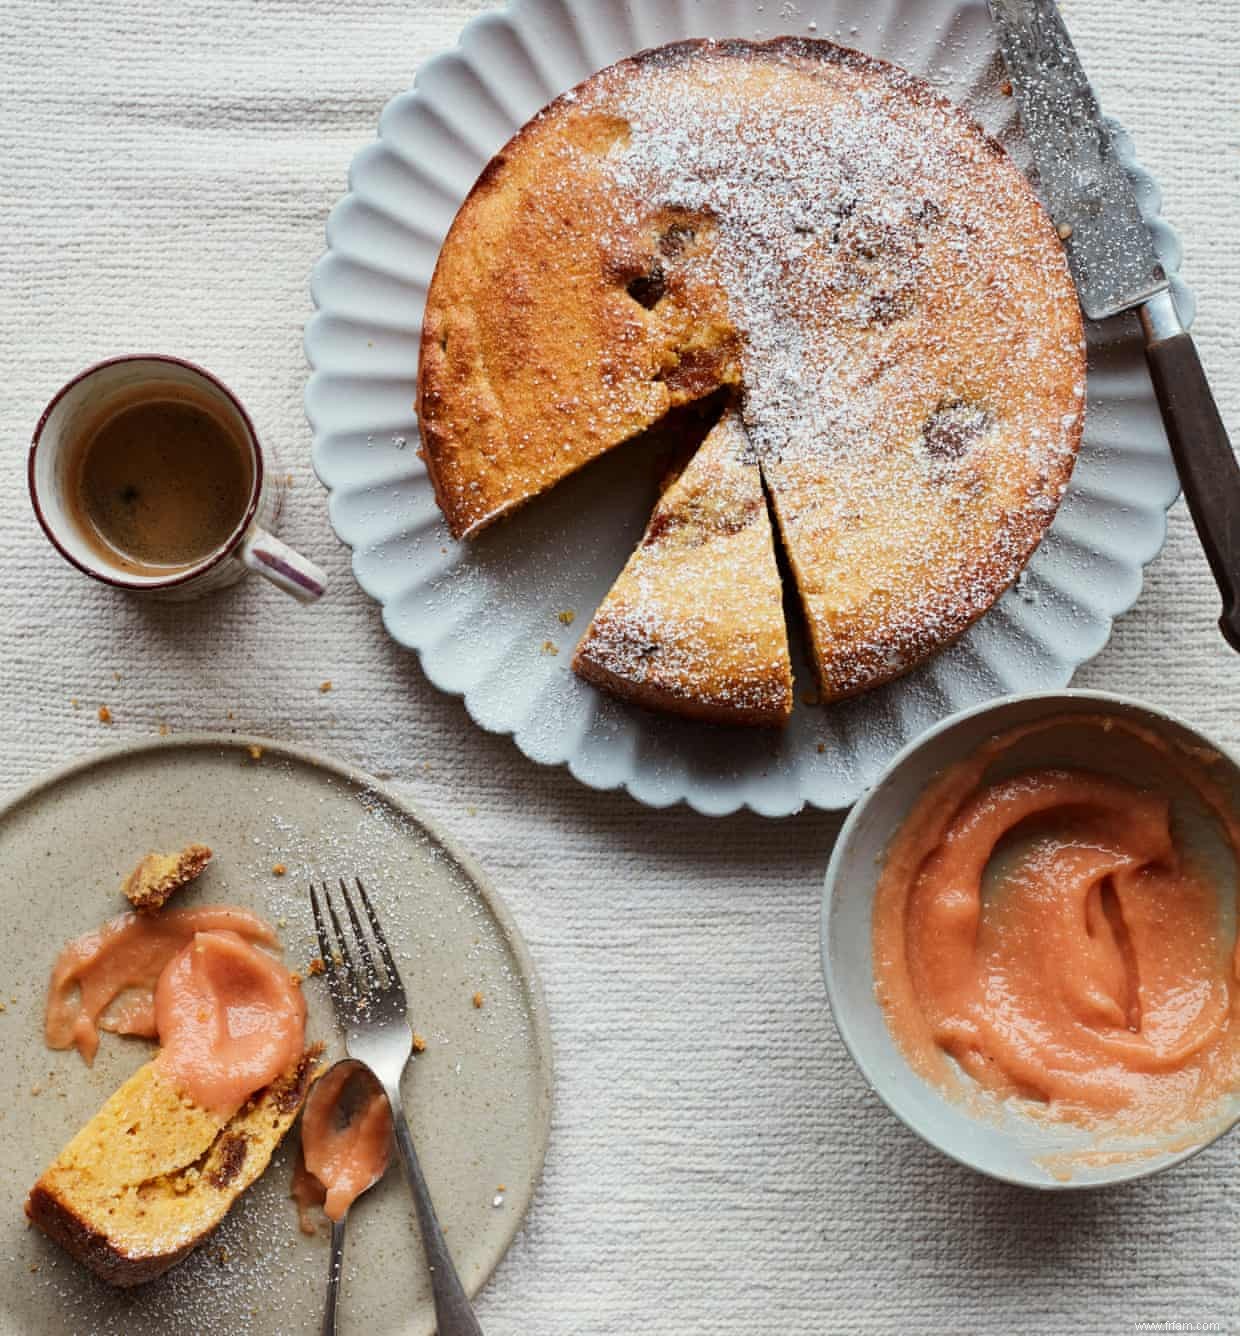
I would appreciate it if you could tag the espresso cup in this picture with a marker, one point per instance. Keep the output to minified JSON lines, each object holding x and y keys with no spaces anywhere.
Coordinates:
{"x":81,"y":411}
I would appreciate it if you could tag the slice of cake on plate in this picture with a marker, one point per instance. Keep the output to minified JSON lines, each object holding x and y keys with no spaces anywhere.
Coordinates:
{"x":694,"y":624}
{"x":152,"y":1173}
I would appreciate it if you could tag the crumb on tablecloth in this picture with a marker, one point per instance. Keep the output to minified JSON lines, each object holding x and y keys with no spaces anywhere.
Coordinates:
{"x":419,"y":1043}
{"x":105,"y":715}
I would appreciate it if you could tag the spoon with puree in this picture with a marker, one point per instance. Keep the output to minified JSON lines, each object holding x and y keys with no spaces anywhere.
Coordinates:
{"x":346,"y":1143}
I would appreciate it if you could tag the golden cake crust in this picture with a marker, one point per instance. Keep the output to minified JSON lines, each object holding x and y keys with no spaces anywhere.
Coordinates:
{"x":535,"y":356}
{"x":131,"y":1205}
{"x":694,"y":624}
{"x":820,"y":229}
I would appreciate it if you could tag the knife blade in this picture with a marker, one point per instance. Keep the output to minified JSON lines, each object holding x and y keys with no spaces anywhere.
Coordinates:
{"x":1116,"y":268}
{"x":1080,"y":178}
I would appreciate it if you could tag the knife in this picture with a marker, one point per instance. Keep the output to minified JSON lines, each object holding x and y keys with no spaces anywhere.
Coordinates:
{"x":1115,"y":267}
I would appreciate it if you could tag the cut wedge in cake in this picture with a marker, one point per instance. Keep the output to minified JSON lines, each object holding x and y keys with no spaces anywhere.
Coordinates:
{"x":152,"y":1174}
{"x":824,"y":233}
{"x":695,"y":622}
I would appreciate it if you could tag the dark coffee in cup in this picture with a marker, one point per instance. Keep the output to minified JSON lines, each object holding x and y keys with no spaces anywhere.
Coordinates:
{"x":159,"y":483}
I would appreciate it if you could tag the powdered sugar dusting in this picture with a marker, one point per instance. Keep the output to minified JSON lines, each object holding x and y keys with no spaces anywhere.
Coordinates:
{"x":912,"y":355}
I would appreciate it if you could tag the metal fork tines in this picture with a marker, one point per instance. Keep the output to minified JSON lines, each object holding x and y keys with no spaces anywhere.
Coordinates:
{"x":369,"y":1000}
{"x":361,"y":997}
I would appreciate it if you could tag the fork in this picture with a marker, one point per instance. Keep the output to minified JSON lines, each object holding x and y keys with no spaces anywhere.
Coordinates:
{"x":372,"y":1010}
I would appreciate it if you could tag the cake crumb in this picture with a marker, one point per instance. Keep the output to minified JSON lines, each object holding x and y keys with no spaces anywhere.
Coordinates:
{"x":1006,"y":88}
{"x":36,"y":1089}
{"x":549,"y":647}
{"x":278,"y":869}
{"x":822,"y":747}
{"x":478,"y":1001}
{"x":326,"y":686}
{"x":77,"y":704}
{"x":567,"y":617}
{"x":1064,"y":230}
{"x":254,"y":749}
{"x":105,"y":715}
{"x":164,"y":730}
{"x":316,"y":966}
{"x":294,"y":978}
{"x":419,"y":1043}
{"x":158,"y":876}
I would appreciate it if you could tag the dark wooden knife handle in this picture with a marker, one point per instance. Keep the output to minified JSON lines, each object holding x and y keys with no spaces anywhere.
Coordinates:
{"x":1207,"y":466}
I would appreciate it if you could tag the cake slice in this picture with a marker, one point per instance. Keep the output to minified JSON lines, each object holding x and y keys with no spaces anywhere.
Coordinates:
{"x":152,"y":1174}
{"x":694,"y":624}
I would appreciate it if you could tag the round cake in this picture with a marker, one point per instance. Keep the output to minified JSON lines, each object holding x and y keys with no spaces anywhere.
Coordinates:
{"x":820,"y":232}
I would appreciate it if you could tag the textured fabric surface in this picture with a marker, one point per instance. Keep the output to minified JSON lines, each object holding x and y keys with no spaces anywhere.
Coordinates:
{"x":717,"y":1164}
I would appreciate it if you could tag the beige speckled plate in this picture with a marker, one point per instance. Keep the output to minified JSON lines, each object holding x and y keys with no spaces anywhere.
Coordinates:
{"x":479,"y":1098}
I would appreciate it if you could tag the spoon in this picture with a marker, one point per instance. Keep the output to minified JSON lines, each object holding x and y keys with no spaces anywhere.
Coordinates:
{"x":346,"y":1140}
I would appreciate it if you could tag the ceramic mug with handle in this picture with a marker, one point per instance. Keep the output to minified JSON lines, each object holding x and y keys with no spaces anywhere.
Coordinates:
{"x":116,"y":385}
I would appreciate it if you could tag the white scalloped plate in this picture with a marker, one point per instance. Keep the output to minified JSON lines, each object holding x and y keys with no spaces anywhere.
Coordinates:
{"x":484,"y":616}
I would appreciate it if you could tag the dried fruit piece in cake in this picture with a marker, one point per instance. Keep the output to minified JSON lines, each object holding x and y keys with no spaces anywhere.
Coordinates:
{"x":695,"y":624}
{"x":159,"y":876}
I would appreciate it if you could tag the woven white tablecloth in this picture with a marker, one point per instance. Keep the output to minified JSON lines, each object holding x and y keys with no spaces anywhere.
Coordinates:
{"x":717,"y":1165}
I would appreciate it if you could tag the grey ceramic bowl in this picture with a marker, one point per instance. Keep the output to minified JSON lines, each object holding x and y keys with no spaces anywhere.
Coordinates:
{"x":996,"y":1138}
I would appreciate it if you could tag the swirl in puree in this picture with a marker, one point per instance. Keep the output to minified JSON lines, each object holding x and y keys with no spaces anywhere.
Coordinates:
{"x":1050,"y":933}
